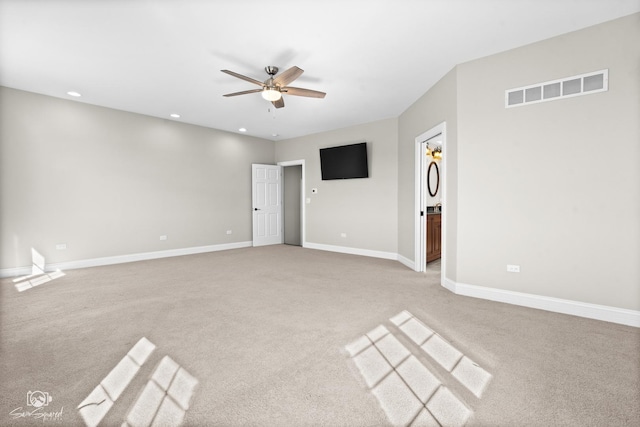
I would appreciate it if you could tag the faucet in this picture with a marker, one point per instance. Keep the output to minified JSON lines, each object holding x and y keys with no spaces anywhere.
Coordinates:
{"x":438,"y":207}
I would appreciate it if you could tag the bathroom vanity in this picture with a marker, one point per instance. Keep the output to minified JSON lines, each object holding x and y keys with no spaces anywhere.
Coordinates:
{"x":434,"y":235}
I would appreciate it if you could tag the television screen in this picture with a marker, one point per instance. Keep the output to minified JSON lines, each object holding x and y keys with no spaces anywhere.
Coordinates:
{"x":344,"y":162}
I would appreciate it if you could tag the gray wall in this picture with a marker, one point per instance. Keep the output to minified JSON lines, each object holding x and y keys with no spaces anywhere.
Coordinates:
{"x":109,"y":183}
{"x":553,"y":187}
{"x":438,"y":105}
{"x":365,"y":209}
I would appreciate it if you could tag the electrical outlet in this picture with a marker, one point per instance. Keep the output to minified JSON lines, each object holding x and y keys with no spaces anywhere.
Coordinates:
{"x":343,"y":234}
{"x":513,"y":268}
{"x":229,"y":231}
{"x":163,"y":237}
{"x":308,"y":200}
{"x":61,"y":246}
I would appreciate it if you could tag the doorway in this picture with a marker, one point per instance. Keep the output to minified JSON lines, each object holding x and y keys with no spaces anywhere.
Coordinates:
{"x":430,"y":195}
{"x":292,"y":202}
{"x":293,"y":218}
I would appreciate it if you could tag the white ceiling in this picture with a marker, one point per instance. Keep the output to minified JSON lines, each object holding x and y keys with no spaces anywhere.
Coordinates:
{"x":373,"y":58}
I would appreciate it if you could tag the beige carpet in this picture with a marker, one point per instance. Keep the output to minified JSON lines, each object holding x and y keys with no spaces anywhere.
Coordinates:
{"x":285,"y":336}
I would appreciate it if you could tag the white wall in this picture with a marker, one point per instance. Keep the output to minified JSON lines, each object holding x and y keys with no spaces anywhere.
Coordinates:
{"x":109,"y":183}
{"x":364,"y":209}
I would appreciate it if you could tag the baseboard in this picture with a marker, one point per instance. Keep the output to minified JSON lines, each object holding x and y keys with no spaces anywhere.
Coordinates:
{"x":576,"y":308}
{"x":352,"y":251}
{"x":450,"y":285}
{"x":15,"y":272}
{"x":406,"y":262}
{"x":120,"y":259}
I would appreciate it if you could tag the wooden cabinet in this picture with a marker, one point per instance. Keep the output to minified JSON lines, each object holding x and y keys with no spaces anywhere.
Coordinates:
{"x":434,"y":236}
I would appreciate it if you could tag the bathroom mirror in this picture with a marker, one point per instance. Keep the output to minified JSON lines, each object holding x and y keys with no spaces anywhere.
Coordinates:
{"x":433,"y":179}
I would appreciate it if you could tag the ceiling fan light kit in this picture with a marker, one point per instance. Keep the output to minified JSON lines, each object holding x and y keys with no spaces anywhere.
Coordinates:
{"x":271,"y":94}
{"x":273,"y":88}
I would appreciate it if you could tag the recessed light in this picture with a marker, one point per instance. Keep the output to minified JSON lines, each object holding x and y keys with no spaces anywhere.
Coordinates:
{"x":175,"y":116}
{"x":274,"y":134}
{"x":242,"y":129}
{"x":76,"y":94}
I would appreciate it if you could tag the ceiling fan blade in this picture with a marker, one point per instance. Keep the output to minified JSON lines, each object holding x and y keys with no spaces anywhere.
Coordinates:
{"x":245,"y":78}
{"x":279,"y":103}
{"x":288,"y":76}
{"x":297,"y":91}
{"x":244,"y":92}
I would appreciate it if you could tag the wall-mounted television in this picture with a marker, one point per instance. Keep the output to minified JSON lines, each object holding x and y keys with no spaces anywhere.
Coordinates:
{"x":344,"y":162}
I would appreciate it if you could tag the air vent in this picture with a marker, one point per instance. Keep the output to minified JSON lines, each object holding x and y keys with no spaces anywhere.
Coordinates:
{"x":583,"y":84}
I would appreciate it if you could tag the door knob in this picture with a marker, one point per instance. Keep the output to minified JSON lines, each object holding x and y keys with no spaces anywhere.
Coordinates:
{"x":256,"y":209}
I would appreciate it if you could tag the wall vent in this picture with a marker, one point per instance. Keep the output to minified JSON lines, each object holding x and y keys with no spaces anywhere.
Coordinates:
{"x":583,"y":84}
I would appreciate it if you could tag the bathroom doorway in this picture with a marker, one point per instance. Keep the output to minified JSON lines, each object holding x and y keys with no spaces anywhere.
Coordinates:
{"x":433,"y":201}
{"x":430,"y":201}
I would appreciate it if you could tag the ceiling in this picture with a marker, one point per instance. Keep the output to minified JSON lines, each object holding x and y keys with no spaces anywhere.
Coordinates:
{"x":373,"y":58}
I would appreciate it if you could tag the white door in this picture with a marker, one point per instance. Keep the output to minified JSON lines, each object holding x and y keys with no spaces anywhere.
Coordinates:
{"x":267,"y":204}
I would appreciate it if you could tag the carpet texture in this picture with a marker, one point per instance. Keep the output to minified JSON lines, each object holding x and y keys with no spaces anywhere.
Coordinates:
{"x":260,"y":336}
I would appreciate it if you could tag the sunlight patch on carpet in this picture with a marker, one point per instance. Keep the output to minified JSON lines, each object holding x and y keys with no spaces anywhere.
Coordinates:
{"x":94,"y":408}
{"x":38,"y":275}
{"x":409,"y":393}
{"x":447,"y":408}
{"x":466,"y":371}
{"x":472,"y":376}
{"x":372,"y":366}
{"x":163,"y":401}
{"x":442,"y":352}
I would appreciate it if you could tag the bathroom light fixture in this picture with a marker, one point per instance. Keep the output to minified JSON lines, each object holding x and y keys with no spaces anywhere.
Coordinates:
{"x":271,"y":94}
{"x":435,"y":153}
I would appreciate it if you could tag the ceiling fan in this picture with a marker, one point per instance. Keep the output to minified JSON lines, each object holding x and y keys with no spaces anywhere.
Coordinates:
{"x":273,"y":88}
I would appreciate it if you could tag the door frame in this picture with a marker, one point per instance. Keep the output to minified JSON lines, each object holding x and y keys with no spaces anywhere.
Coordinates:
{"x":420,"y":215}
{"x":303,"y":227}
